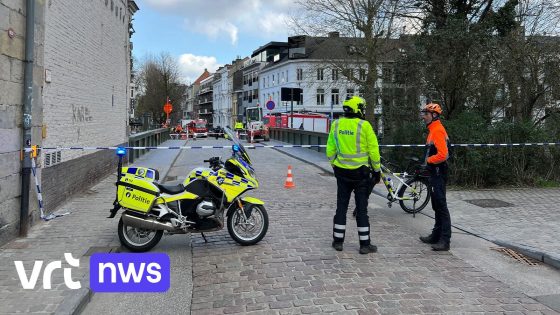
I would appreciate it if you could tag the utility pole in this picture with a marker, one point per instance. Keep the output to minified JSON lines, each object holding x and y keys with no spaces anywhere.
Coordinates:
{"x":27,"y":116}
{"x":292,"y":108}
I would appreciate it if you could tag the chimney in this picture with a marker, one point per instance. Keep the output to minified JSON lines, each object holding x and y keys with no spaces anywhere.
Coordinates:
{"x":334,"y":34}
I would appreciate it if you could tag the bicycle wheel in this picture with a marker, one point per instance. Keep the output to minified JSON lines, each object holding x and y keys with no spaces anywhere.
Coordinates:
{"x":416,"y":195}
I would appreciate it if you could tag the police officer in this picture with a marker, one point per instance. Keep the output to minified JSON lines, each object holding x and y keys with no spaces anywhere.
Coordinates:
{"x":353,"y":151}
{"x":437,"y":154}
{"x":238,"y":125}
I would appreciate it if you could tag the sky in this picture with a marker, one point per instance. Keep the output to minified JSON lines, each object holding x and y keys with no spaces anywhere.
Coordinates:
{"x":207,"y":33}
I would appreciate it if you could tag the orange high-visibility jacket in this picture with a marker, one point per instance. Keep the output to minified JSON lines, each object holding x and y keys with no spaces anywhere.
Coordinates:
{"x":437,"y":143}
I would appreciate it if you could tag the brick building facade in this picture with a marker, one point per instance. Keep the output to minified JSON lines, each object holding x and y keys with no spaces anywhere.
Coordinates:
{"x":80,"y":97}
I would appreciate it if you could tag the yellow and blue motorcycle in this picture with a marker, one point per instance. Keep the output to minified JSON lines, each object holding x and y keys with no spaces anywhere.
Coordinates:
{"x":200,"y":204}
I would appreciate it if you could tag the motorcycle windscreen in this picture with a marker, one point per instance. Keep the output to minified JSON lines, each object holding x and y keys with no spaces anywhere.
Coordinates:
{"x":242,"y":152}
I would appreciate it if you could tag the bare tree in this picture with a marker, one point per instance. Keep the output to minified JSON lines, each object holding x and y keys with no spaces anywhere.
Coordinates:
{"x":159,"y":80}
{"x":365,"y":27}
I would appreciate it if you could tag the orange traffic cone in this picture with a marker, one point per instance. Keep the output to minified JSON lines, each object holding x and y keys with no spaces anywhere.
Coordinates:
{"x":289,"y":180}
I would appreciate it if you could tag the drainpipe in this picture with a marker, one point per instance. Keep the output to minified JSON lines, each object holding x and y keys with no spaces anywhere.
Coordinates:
{"x":27,"y":104}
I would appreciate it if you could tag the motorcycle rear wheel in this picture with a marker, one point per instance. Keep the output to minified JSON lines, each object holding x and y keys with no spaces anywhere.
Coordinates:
{"x":252,"y":231}
{"x":138,"y":240}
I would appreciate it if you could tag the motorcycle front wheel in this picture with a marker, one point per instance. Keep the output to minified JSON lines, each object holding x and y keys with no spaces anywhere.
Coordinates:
{"x":138,"y":240}
{"x":252,"y":230}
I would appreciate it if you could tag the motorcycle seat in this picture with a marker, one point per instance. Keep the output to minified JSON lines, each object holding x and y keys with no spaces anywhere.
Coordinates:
{"x":171,"y":189}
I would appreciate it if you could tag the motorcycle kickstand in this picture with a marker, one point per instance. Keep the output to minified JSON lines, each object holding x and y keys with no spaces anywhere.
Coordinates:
{"x":204,"y":237}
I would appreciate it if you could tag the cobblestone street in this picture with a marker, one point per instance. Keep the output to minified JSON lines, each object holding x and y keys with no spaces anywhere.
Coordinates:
{"x":295,"y":271}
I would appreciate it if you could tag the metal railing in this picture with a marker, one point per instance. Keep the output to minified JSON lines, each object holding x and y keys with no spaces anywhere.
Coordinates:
{"x":150,"y":138}
{"x":296,"y":136}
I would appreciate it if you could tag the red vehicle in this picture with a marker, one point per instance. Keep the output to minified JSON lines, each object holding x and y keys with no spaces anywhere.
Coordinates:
{"x":304,"y":121}
{"x":198,"y":128}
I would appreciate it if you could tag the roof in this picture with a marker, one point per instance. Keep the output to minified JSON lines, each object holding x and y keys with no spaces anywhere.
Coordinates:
{"x":333,"y":48}
{"x":203,"y":76}
{"x":269,"y":46}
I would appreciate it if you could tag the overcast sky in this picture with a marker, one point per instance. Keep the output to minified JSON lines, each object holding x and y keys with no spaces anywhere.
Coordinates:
{"x":208,"y":33}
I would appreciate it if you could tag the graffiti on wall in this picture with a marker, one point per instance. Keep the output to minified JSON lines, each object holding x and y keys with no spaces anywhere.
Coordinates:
{"x":81,"y":113}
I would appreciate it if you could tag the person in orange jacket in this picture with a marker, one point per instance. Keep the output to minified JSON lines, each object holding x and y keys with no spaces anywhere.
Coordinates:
{"x":437,"y":153}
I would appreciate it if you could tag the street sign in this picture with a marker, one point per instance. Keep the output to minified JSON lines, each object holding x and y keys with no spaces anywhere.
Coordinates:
{"x":270,"y":105}
{"x":291,"y":94}
{"x":167,"y":108}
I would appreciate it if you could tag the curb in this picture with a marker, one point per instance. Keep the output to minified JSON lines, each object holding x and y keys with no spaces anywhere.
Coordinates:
{"x":75,"y":302}
{"x":304,"y":160}
{"x":529,"y":251}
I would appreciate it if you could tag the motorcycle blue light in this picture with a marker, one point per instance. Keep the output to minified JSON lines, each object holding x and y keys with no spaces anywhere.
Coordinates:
{"x":235,"y":148}
{"x":121,"y":151}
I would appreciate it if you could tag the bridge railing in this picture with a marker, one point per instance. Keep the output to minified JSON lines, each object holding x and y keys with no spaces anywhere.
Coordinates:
{"x":296,"y":136}
{"x":150,"y":138}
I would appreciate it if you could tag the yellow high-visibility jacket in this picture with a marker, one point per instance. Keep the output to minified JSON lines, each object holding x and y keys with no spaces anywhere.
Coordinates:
{"x":352,"y":144}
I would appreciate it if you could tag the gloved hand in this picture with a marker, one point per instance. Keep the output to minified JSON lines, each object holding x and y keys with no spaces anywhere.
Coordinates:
{"x":376,"y":177}
{"x":423,"y":170}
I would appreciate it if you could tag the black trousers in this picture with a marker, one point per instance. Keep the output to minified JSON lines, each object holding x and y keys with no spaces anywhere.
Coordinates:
{"x":348,"y":181}
{"x":438,"y":181}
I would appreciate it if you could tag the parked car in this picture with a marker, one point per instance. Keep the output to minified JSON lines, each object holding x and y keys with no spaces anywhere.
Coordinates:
{"x":217,"y":130}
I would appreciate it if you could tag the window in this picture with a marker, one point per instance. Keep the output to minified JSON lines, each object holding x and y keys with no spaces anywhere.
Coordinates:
{"x":264,"y":83}
{"x":299,"y":74}
{"x":320,"y":96}
{"x":273,"y":80}
{"x":349,"y":93}
{"x":320,"y":74}
{"x":245,"y":96}
{"x":362,"y":74}
{"x":387,"y":74}
{"x":335,"y":98}
{"x":334,"y":74}
{"x":300,"y":99}
{"x":348,"y":73}
{"x":255,"y":77}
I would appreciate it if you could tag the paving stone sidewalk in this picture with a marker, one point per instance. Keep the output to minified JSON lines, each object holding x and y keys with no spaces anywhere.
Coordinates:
{"x":84,"y":228}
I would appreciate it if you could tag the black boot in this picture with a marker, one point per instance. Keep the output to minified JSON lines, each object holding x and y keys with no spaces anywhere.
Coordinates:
{"x":442,"y":245}
{"x":337,"y":245}
{"x":368,"y":249}
{"x":430,"y":239}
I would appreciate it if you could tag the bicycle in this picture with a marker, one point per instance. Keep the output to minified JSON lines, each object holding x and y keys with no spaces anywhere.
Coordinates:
{"x":412,"y":192}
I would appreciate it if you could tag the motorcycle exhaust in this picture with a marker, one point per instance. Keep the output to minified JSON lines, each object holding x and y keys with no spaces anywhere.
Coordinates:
{"x":146,"y":223}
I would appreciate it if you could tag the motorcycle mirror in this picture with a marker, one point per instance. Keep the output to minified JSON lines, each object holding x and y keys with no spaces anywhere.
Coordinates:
{"x":235,"y":148}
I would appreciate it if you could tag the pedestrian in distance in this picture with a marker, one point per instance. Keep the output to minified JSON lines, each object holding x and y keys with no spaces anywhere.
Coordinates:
{"x":437,"y":154}
{"x":353,"y":152}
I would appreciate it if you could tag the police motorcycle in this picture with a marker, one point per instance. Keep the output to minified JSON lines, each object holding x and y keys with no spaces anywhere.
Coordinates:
{"x":206,"y":198}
